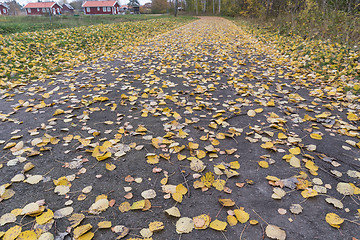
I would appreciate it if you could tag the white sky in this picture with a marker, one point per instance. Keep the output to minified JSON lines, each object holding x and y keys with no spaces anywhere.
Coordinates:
{"x":122,"y":2}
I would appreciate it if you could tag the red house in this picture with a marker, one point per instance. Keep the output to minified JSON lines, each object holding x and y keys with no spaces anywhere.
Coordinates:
{"x":4,"y":9}
{"x":41,"y":8}
{"x":67,"y":8}
{"x":101,"y":7}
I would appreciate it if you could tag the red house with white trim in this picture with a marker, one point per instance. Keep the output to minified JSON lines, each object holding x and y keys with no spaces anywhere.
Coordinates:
{"x":41,"y":8}
{"x":67,"y":8}
{"x":4,"y":9}
{"x":101,"y":7}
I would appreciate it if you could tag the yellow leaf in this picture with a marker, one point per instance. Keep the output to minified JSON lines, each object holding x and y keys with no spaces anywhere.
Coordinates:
{"x":153,"y":159}
{"x":352,"y":117}
{"x":45,"y":217}
{"x":316,"y":136}
{"x":253,"y":222}
{"x":103,"y":157}
{"x":104,"y":224}
{"x":58,"y":112}
{"x":234,"y":165}
{"x":202,"y":221}
{"x":181,"y":157}
{"x":267,"y":145}
{"x":282,"y":136}
{"x":241,"y":215}
{"x":200,"y":154}
{"x":218,"y":225}
{"x":164,"y":181}
{"x":156,"y":226}
{"x":78,"y":231}
{"x":181,"y":189}
{"x":193,"y":145}
{"x":263,"y":164}
{"x":76,"y":219}
{"x":177,"y":197}
{"x":226,"y":202}
{"x":138,"y":205}
{"x":295,"y":151}
{"x":86,"y":236}
{"x":208,"y":179}
{"x":231,"y":220}
{"x":334,"y":220}
{"x":12,"y":233}
{"x":124,"y":207}
{"x":110,"y":166}
{"x":219,"y":184}
{"x":27,"y":235}
{"x":307,"y":193}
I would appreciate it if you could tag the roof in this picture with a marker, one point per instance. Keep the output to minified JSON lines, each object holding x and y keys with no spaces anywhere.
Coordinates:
{"x":69,"y":6}
{"x":99,"y":4}
{"x":40,"y":5}
{"x":6,"y":6}
{"x":124,"y":6}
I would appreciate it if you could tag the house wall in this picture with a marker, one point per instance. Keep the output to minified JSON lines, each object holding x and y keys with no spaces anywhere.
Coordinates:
{"x":56,"y":9}
{"x":102,"y":10}
{"x":4,"y":10}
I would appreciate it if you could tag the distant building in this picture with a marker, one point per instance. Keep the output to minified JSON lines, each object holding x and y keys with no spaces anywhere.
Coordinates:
{"x":67,"y":8}
{"x":124,"y":8}
{"x":101,"y":7}
{"x":41,"y":8}
{"x":4,"y":9}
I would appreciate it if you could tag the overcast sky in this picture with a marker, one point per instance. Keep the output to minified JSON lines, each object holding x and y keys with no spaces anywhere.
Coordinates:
{"x":122,"y":2}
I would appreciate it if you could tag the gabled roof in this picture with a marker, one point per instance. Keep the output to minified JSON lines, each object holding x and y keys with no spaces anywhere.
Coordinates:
{"x":40,"y":5}
{"x":69,"y":6}
{"x":124,"y":6}
{"x":4,"y":5}
{"x":99,"y":4}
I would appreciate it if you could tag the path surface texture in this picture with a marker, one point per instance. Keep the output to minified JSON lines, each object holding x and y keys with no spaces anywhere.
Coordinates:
{"x":200,"y":133}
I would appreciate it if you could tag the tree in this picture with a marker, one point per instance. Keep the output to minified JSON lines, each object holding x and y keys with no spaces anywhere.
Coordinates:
{"x":159,"y":6}
{"x":133,"y":3}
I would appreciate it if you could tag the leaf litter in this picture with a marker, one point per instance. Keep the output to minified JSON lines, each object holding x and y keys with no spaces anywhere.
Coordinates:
{"x":177,"y":123}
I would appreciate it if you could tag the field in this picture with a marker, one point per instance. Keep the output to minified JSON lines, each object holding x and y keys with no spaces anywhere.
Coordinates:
{"x":35,"y":55}
{"x":16,"y":24}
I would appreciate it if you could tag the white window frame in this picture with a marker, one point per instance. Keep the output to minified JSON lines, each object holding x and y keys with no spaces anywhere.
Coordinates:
{"x":109,"y":9}
{"x":29,"y":10}
{"x":98,"y":8}
{"x":4,"y":10}
{"x":104,"y":9}
{"x":43,"y":10}
{"x":88,"y":9}
{"x":38,"y":9}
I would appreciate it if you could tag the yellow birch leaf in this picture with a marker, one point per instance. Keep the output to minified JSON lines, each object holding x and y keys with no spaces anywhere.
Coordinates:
{"x":76,"y":219}
{"x":307,"y":193}
{"x":105,"y":224}
{"x":202,"y":221}
{"x":177,"y":197}
{"x":334,"y":220}
{"x":231,"y":220}
{"x":86,"y":236}
{"x":295,"y":151}
{"x":45,"y":217}
{"x":282,"y":136}
{"x":219,"y":184}
{"x":181,"y":157}
{"x":78,"y":231}
{"x":267,"y":145}
{"x":234,"y":165}
{"x":193,"y":145}
{"x":200,"y":154}
{"x":208,"y":179}
{"x":12,"y":233}
{"x":103,"y":157}
{"x":226,"y":202}
{"x":138,"y":205}
{"x":164,"y":181}
{"x":218,"y":225}
{"x":110,"y":166}
{"x":316,"y":136}
{"x":156,"y":226}
{"x":27,"y":235}
{"x":253,"y":222}
{"x":153,"y":159}
{"x":58,"y":112}
{"x":124,"y":207}
{"x":241,"y":215}
{"x":181,"y":189}
{"x":251,"y":113}
{"x":263,"y":164}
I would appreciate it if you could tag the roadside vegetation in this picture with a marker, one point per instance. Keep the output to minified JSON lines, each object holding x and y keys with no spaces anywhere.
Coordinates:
{"x":17,"y":24}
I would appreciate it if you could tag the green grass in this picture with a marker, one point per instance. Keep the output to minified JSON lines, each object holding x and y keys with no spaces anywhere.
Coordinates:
{"x":17,"y":24}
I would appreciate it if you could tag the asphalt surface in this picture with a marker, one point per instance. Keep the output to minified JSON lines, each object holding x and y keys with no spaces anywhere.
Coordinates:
{"x":194,"y":84}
